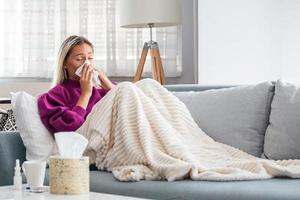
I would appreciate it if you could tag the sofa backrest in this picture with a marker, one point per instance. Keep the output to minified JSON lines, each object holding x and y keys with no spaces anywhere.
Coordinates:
{"x":195,"y":87}
{"x":237,"y":116}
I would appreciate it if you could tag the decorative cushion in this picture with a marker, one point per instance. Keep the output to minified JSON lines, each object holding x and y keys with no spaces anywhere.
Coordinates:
{"x":235,"y":116}
{"x":7,"y":121}
{"x":38,"y":141}
{"x":282,"y":139}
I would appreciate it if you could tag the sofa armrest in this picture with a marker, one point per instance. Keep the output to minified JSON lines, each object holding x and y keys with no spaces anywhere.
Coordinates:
{"x":11,"y":148}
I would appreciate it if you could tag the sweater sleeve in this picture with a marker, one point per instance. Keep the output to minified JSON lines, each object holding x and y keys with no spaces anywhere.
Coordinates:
{"x":114,"y":82}
{"x":56,"y":114}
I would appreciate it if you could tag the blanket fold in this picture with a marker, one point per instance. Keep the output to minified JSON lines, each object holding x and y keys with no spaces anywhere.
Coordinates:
{"x":141,"y":131}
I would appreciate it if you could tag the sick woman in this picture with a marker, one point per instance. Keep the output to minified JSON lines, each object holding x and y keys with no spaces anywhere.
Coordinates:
{"x":140,"y":130}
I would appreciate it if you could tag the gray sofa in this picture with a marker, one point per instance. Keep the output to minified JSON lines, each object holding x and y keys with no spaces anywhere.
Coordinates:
{"x":227,"y":115}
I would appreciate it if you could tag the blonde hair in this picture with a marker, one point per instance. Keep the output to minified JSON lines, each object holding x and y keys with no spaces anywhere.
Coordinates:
{"x":63,"y":53}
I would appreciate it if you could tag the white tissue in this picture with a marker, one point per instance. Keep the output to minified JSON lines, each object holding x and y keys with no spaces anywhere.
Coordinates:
{"x":95,"y":77}
{"x":70,"y":144}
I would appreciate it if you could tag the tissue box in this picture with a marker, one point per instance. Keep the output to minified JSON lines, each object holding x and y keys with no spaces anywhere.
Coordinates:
{"x":69,"y":176}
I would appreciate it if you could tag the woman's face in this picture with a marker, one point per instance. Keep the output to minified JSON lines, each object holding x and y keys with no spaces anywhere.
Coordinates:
{"x":76,"y":58}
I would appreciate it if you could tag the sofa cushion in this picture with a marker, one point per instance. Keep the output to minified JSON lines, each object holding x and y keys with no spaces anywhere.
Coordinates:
{"x":7,"y":120}
{"x":235,"y":116}
{"x":270,"y":189}
{"x":284,"y":127}
{"x":38,"y":141}
{"x":273,"y":189}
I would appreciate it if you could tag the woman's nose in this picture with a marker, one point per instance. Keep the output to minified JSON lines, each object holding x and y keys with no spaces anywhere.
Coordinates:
{"x":87,"y":62}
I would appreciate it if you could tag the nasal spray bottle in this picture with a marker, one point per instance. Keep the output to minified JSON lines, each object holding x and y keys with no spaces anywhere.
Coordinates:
{"x":17,"y":176}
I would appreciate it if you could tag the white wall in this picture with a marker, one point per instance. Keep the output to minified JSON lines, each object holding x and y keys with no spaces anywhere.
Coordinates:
{"x":247,"y":41}
{"x":34,"y":88}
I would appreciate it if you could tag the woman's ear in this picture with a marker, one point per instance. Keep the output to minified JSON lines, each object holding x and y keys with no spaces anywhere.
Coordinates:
{"x":64,"y":65}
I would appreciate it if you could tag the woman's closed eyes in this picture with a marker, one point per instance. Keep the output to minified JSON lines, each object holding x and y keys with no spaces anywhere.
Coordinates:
{"x":81,"y":59}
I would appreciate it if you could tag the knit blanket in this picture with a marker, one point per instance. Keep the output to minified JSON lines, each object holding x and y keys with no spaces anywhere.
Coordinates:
{"x":141,"y":131}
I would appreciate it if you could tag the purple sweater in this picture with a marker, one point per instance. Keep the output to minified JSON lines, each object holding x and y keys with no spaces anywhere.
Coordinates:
{"x":58,"y":110}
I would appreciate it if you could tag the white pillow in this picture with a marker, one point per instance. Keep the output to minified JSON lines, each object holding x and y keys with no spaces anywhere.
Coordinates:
{"x":38,"y":141}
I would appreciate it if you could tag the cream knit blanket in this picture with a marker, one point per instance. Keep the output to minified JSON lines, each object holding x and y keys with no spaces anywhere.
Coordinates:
{"x":142,"y":131}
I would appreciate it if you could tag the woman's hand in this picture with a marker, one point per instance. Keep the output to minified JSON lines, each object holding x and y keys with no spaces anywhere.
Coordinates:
{"x":86,"y":83}
{"x":86,"y":86}
{"x":106,"y":84}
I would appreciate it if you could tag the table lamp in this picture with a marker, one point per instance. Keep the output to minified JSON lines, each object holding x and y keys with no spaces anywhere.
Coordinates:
{"x":150,"y":14}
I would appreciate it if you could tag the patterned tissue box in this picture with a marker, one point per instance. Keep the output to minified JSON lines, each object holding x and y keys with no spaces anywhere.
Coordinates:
{"x":69,"y":176}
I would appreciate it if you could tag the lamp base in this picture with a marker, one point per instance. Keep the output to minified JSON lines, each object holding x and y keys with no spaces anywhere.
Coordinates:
{"x":157,"y":68}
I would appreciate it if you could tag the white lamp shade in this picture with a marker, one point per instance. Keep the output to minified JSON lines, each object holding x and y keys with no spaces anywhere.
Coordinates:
{"x":139,"y":13}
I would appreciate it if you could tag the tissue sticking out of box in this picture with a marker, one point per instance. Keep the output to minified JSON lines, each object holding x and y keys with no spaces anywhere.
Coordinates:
{"x":70,"y":144}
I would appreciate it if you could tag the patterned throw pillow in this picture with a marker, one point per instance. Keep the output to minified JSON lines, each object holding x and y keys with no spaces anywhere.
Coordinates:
{"x":7,"y":121}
